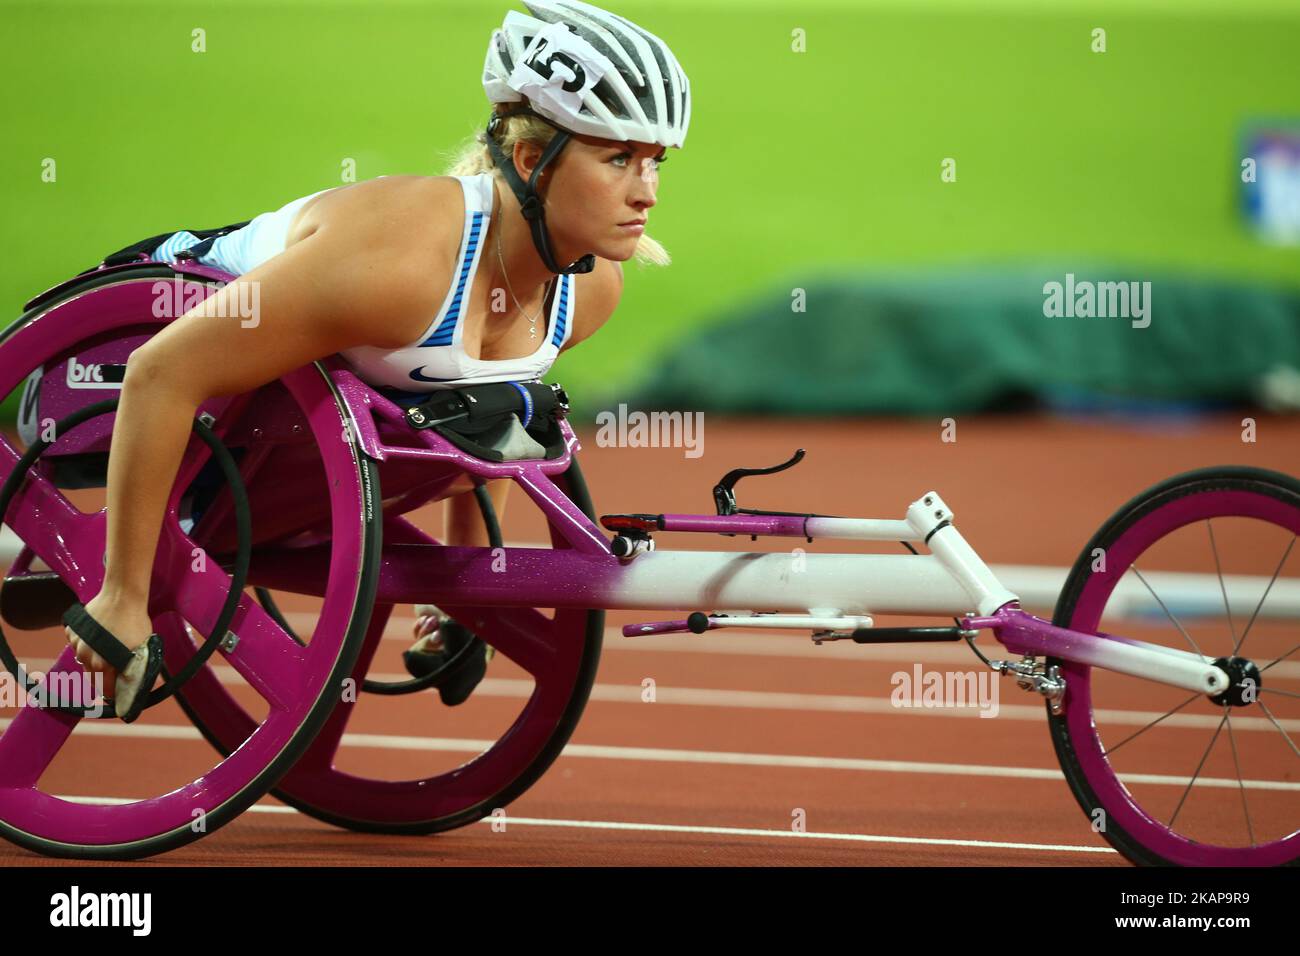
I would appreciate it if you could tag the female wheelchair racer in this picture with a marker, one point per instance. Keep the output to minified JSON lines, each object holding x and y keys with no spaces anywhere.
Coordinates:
{"x":357,"y":270}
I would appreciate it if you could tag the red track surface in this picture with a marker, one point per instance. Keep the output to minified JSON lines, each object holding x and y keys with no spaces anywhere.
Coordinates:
{"x":1024,"y":491}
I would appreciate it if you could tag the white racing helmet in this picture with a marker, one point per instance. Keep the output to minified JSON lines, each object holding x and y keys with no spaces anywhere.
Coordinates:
{"x":584,"y":70}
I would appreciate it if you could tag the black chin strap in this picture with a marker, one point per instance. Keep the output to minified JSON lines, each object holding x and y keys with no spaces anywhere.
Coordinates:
{"x":530,"y":204}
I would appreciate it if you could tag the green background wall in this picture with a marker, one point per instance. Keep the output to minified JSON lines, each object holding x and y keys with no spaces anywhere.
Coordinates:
{"x":797,"y":166}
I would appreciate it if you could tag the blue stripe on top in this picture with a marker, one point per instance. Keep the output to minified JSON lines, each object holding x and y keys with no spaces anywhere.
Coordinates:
{"x":176,"y":242}
{"x":220,"y":253}
{"x":528,"y":403}
{"x":562,"y":316}
{"x":442,"y":335}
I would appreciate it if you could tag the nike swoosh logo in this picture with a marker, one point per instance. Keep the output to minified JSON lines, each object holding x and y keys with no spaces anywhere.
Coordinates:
{"x":419,"y":377}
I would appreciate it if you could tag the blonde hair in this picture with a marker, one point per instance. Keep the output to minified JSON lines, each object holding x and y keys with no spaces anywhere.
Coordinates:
{"x":474,"y":158}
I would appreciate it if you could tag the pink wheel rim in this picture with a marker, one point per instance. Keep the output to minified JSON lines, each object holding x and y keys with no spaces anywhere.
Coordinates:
{"x":293,"y":678}
{"x":551,"y":651}
{"x":1110,"y":793}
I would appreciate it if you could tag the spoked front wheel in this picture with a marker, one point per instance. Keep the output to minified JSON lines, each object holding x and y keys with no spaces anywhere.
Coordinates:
{"x":1203,"y":563}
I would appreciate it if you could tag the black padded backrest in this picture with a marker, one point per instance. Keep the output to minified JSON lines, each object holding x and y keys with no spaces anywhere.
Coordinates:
{"x":139,"y":251}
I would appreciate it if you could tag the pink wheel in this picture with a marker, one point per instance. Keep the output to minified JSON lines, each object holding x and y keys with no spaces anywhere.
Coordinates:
{"x":559,"y":653}
{"x":1169,"y":776}
{"x":51,"y":783}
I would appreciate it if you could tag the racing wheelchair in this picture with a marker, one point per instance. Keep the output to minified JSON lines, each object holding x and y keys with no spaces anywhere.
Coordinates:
{"x":305,"y":487}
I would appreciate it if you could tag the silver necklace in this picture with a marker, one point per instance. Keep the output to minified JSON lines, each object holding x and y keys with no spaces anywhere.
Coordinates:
{"x":532,"y":322}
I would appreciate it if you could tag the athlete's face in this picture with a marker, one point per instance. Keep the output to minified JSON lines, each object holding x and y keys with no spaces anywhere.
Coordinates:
{"x":598,"y":187}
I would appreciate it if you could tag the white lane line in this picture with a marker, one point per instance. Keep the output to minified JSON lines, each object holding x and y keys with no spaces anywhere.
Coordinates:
{"x":521,"y":689}
{"x":740,"y":642}
{"x":510,"y":821}
{"x":750,"y":831}
{"x":1038,"y":587}
{"x":100,"y":728}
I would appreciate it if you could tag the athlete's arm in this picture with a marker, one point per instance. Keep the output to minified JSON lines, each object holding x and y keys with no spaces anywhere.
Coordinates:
{"x":334,"y":289}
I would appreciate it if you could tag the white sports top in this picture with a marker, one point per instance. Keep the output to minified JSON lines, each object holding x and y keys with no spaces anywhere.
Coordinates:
{"x":437,"y":358}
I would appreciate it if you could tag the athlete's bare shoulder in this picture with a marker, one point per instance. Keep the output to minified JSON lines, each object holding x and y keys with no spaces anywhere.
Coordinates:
{"x":399,"y":234}
{"x":395,"y":211}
